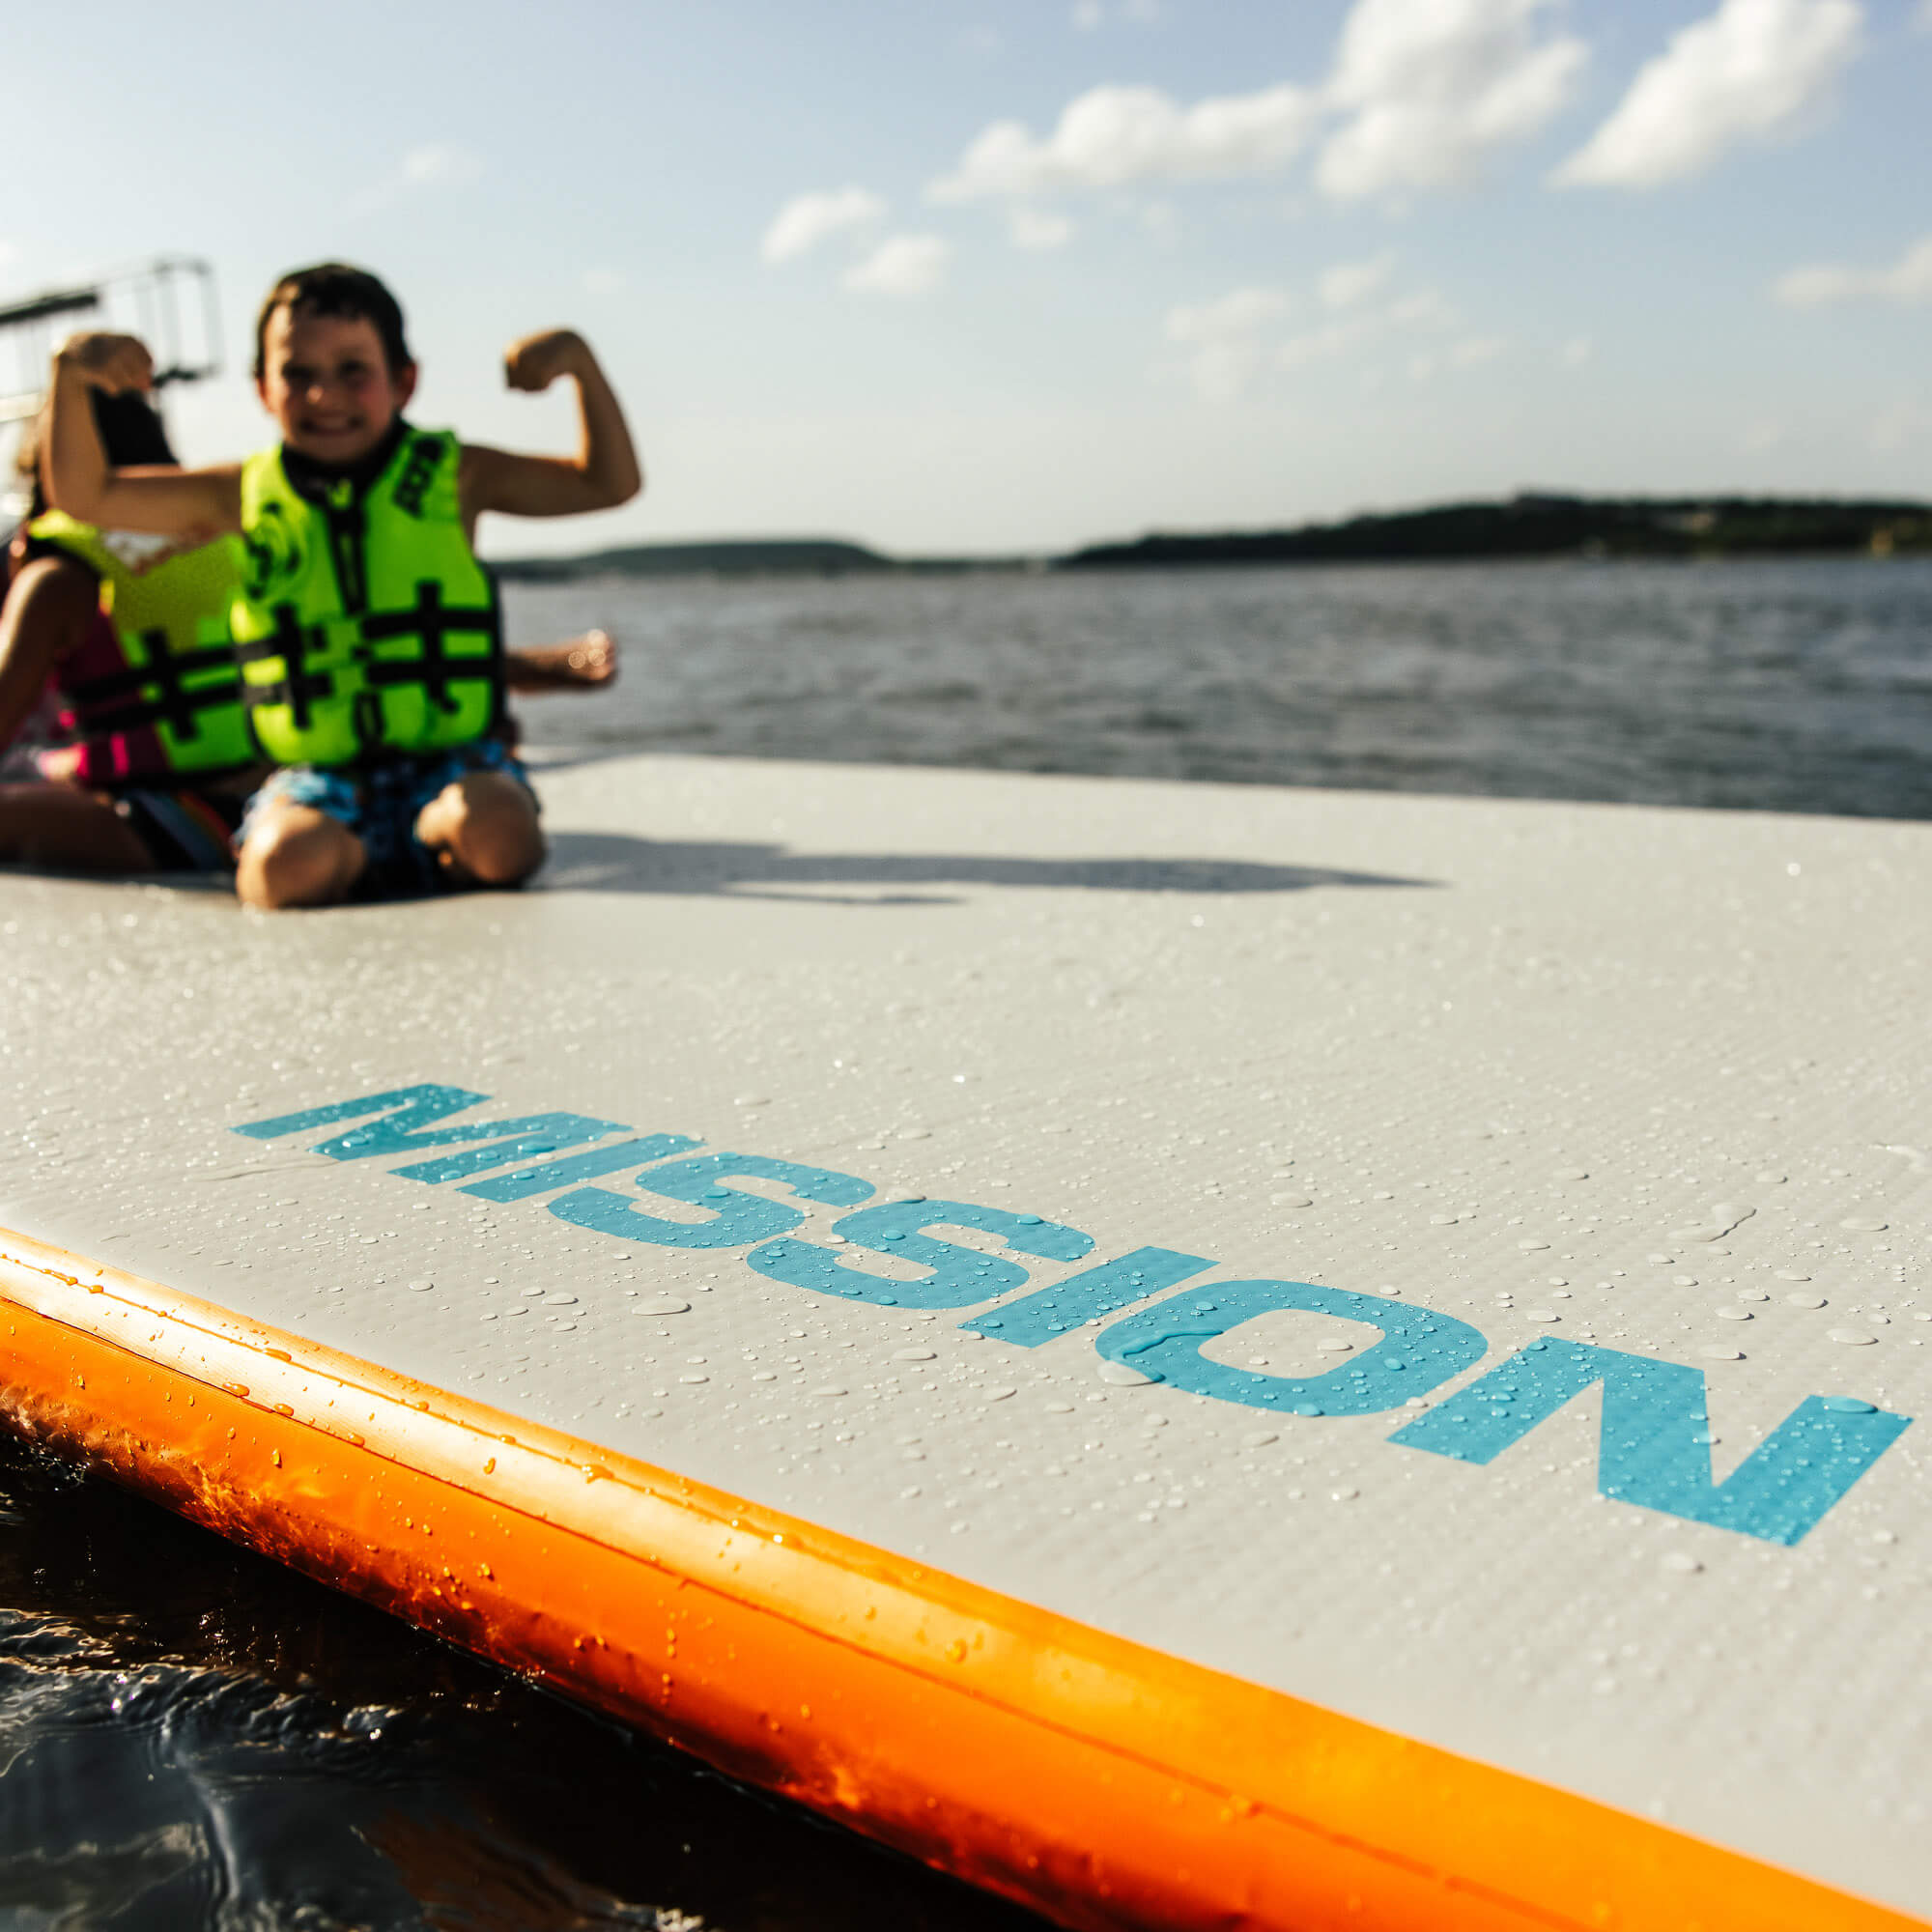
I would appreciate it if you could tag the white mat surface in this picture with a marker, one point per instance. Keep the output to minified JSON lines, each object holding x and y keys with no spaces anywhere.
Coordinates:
{"x":1523,"y":1065}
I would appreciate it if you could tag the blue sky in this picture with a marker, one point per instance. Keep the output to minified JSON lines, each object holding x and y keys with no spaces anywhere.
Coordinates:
{"x":1019,"y":276}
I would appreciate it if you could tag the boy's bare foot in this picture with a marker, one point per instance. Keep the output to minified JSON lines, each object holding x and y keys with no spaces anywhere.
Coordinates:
{"x":581,"y":664}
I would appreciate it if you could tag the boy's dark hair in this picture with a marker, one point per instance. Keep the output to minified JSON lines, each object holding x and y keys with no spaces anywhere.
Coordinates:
{"x":333,"y":288}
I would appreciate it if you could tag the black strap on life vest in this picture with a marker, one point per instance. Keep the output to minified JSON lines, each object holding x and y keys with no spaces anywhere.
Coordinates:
{"x":297,"y":687}
{"x":155,"y":693}
{"x":432,"y":621}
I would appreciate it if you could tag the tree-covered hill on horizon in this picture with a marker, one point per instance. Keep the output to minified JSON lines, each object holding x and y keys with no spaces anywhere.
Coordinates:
{"x":1531,"y":524}
{"x":1535,"y":525}
{"x":746,"y":556}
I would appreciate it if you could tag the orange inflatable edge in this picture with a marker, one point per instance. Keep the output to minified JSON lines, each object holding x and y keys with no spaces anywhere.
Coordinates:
{"x":1099,"y":1781}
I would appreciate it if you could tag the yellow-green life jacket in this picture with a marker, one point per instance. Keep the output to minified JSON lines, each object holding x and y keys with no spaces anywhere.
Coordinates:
{"x":173,"y":702}
{"x":364,"y":623}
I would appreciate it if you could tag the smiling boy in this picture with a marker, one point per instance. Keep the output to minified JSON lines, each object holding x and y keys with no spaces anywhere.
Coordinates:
{"x":369,"y":635}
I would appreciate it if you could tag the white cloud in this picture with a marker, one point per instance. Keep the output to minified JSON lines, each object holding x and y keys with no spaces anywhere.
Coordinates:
{"x":1908,"y":279}
{"x":808,"y":219}
{"x":1750,"y":72}
{"x":440,"y":165}
{"x":1475,"y":349}
{"x":1348,"y":283}
{"x":604,"y":282}
{"x":1470,"y":353}
{"x":1575,"y":353}
{"x":903,"y":266}
{"x":1241,"y":313}
{"x":1425,"y":90}
{"x":1221,"y":371}
{"x":1229,"y":342}
{"x":437,"y":164}
{"x":1035,"y":228}
{"x":1432,"y":86}
{"x":1110,"y":136}
{"x":1421,"y":312}
{"x":1224,"y":336}
{"x":1425,"y":309}
{"x":1319,"y":345}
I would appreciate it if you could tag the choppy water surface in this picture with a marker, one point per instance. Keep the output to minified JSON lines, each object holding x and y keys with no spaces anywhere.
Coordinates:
{"x":1796,"y":686}
{"x":193,"y":1736}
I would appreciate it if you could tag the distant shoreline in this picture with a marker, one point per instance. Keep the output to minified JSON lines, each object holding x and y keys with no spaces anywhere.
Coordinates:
{"x":1529,"y":526}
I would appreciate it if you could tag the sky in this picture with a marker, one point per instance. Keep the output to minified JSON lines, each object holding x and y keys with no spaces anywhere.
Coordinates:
{"x":1017,"y":277}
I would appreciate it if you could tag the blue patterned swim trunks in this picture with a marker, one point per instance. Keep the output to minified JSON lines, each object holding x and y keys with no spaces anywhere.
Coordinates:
{"x":379,"y":801}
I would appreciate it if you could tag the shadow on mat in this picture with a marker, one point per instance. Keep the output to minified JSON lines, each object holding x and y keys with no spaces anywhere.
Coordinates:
{"x":616,"y":862}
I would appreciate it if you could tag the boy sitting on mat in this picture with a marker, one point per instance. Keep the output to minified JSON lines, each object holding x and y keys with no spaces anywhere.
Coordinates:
{"x":369,"y":636}
{"x":106,"y":654}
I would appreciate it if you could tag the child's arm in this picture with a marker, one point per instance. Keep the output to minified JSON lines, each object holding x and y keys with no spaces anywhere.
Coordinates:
{"x":74,"y":471}
{"x":47,"y":610}
{"x":581,"y":664}
{"x":603,"y":473}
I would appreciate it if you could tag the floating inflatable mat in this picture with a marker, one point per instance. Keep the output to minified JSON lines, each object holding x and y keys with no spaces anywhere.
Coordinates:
{"x":1196,"y":1356}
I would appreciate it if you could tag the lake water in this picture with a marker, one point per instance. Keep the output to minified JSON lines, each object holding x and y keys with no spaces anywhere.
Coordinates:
{"x":193,"y":1736}
{"x":1790,"y":686}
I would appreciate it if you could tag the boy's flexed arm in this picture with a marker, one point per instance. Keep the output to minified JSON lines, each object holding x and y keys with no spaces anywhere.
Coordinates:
{"x":603,"y":473}
{"x":74,"y":471}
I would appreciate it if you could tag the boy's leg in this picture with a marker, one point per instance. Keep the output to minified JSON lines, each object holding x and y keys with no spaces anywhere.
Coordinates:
{"x":62,"y":828}
{"x":483,"y":830}
{"x":295,"y":854}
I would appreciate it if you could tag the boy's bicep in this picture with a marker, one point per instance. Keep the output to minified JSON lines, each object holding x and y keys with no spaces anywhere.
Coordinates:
{"x":522,"y":486}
